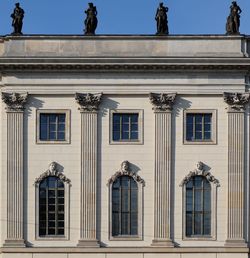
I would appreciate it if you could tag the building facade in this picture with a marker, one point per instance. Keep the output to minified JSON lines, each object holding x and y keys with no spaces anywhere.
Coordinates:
{"x":130,"y":146}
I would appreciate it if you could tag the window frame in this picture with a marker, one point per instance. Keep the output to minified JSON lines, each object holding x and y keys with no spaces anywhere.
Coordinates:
{"x":67,"y":125}
{"x":66,"y":211}
{"x":214,"y":183}
{"x":213,"y":126}
{"x":140,"y":126}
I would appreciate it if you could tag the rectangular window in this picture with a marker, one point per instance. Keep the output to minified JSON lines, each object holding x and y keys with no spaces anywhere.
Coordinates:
{"x":200,"y":126}
{"x":126,"y":126}
{"x":53,"y":126}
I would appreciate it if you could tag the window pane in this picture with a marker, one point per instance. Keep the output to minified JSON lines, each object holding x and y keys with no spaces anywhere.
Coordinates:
{"x":125,"y":135}
{"x":115,"y":224}
{"x":125,"y":224}
{"x":197,"y":201}
{"x":125,"y":118}
{"x":125,"y":127}
{"x":116,"y":127}
{"x":198,"y":118}
{"x":134,"y":118}
{"x":197,"y":224}
{"x":116,"y":200}
{"x":125,"y":200}
{"x":116,"y":118}
{"x":134,"y":204}
{"x":61,"y":127}
{"x":198,"y":135}
{"x":207,"y":127}
{"x":207,"y":200}
{"x":116,"y":136}
{"x":207,"y":224}
{"x":134,"y":127}
{"x":190,"y":119}
{"x":198,"y":181}
{"x":60,"y":231}
{"x":43,"y":119}
{"x":125,"y":181}
{"x":188,"y":224}
{"x":52,"y":118}
{"x":43,"y":132}
{"x":207,"y":118}
{"x":61,"y":136}
{"x":52,"y":136}
{"x":134,"y":135}
{"x":189,"y":200}
{"x":61,"y":118}
{"x":134,"y":224}
{"x":207,"y":135}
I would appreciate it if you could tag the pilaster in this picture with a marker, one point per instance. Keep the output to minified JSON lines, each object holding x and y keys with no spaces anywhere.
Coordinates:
{"x":235,"y":226}
{"x":14,"y":107}
{"x":88,"y":107}
{"x":162,"y":105}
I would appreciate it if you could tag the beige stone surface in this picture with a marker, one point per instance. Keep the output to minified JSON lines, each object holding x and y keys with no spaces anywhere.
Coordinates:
{"x":86,"y":256}
{"x":167,"y":255}
{"x":212,"y":255}
{"x":43,"y":255}
{"x":13,"y":255}
{"x":129,"y":255}
{"x":232,"y":255}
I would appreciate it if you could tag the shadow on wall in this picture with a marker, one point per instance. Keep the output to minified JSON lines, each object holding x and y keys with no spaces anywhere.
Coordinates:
{"x":179,"y":106}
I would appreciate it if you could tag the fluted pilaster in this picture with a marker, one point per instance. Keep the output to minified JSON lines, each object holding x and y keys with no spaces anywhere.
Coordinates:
{"x":163,"y":168}
{"x":15,"y":106}
{"x":235,"y":225}
{"x":88,"y":230}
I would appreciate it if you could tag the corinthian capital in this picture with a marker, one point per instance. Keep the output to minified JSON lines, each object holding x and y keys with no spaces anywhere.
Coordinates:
{"x":236,"y":101}
{"x":14,"y":101}
{"x":88,"y":102}
{"x":162,"y":101}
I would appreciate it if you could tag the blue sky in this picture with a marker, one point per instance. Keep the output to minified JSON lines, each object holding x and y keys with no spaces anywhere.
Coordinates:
{"x":123,"y":16}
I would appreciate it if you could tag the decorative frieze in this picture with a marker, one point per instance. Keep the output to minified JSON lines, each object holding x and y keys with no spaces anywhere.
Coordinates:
{"x":200,"y":171}
{"x":236,"y":101}
{"x":88,"y":211}
{"x":126,"y":171}
{"x":14,"y":101}
{"x":88,"y":102}
{"x":162,"y":101}
{"x":236,"y":164}
{"x":162,"y":105}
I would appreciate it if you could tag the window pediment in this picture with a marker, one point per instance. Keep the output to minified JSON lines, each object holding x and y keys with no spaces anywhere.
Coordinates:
{"x":200,"y":171}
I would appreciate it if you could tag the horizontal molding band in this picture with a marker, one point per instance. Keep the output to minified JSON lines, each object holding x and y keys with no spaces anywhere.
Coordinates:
{"x":120,"y":250}
{"x":121,"y":67}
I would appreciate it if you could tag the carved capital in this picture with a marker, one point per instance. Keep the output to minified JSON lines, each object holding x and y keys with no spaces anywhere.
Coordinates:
{"x":126,"y":171}
{"x":88,"y":102}
{"x":162,"y":101}
{"x":200,"y":171}
{"x":236,"y":101}
{"x":52,"y":171}
{"x":14,"y":101}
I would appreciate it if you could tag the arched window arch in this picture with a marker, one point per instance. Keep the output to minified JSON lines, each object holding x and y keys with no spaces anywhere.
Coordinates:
{"x":126,"y":204}
{"x":52,"y":203}
{"x":199,"y":204}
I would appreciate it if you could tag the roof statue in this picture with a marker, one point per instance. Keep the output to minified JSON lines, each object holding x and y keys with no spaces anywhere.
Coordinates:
{"x":162,"y":20}
{"x":17,"y":20}
{"x":233,"y":20}
{"x":91,"y":20}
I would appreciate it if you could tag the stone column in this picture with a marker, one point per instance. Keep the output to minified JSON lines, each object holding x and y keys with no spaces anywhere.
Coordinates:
{"x":235,"y":225}
{"x":88,"y":211}
{"x":163,"y":168}
{"x":14,"y":107}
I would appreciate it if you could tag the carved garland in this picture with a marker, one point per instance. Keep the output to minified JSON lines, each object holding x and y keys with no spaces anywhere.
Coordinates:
{"x":52,"y":171}
{"x":126,"y":171}
{"x":200,"y":171}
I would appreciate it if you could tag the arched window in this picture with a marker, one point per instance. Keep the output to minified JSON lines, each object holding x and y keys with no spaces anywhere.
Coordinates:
{"x":198,"y":207}
{"x":124,"y":207}
{"x":52,"y":204}
{"x":126,"y":204}
{"x":199,"y":203}
{"x":51,"y":207}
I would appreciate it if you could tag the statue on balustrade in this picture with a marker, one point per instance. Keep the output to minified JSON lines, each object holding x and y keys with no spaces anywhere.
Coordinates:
{"x":233,"y":20}
{"x":17,"y":19}
{"x":162,"y":20}
{"x":91,"y":20}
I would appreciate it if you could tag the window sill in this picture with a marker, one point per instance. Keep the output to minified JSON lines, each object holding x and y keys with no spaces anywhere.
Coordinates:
{"x":53,"y":142}
{"x":52,"y":238}
{"x":125,"y":238}
{"x":211,"y":142}
{"x":201,"y":238}
{"x":138,"y":142}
